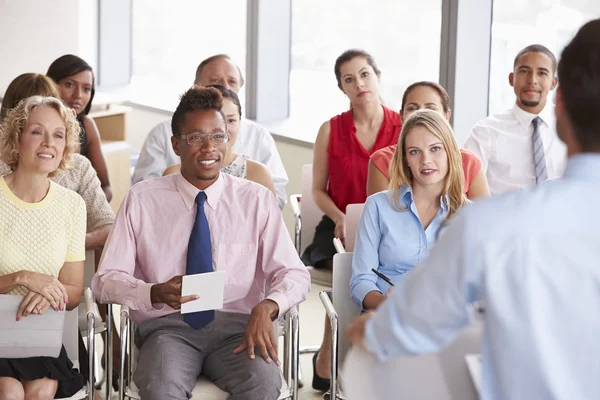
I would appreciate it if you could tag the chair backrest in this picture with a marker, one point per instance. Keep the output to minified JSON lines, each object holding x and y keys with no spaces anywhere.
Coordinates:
{"x":342,"y":301}
{"x":311,"y":214}
{"x":353,"y":213}
{"x":89,"y":268}
{"x":70,"y":339}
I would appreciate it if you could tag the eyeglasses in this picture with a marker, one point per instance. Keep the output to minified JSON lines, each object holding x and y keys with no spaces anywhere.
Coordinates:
{"x":195,"y":139}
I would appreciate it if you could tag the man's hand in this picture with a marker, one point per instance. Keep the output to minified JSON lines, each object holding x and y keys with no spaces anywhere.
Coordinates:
{"x":259,"y":332}
{"x":33,"y":303}
{"x":169,"y":293}
{"x":356,"y":330}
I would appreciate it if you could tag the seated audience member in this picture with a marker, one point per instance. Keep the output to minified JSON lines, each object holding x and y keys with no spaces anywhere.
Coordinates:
{"x":398,"y":227}
{"x":418,"y":96}
{"x":43,"y":236}
{"x":531,"y":255}
{"x":236,"y":164}
{"x":75,"y":80}
{"x":342,"y":150}
{"x":81,"y":177}
{"x":519,"y":147}
{"x":233,"y":225}
{"x":255,"y":142}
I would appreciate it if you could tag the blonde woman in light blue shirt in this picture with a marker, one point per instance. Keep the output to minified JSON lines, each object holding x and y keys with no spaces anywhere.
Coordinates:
{"x":398,"y":226}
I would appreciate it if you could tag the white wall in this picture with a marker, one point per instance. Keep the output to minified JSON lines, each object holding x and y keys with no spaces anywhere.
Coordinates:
{"x":33,"y":33}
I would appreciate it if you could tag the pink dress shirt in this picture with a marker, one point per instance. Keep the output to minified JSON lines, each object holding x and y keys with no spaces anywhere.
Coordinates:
{"x":149,"y":240}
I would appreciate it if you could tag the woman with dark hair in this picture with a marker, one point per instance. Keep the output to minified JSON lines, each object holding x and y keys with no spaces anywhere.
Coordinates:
{"x":235,"y":164}
{"x":75,"y":80}
{"x":342,"y":150}
{"x":341,"y":158}
{"x":24,"y":86}
{"x":432,"y":96}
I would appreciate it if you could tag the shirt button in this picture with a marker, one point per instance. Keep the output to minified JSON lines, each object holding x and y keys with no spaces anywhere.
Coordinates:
{"x":424,"y":247}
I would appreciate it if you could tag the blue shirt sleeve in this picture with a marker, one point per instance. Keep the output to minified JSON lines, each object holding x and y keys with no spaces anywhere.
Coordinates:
{"x":366,"y":252}
{"x":430,"y":305}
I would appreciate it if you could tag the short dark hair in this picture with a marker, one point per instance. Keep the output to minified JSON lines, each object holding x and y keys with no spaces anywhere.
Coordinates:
{"x":69,"y":65}
{"x":579,"y":77}
{"x":24,"y":86}
{"x":210,"y":59}
{"x":349,"y":55}
{"x":229,"y":94}
{"x":435,"y":86}
{"x":537,"y":48}
{"x":197,"y":98}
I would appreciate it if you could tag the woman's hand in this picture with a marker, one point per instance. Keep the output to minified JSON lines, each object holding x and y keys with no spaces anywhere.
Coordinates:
{"x":33,"y":303}
{"x":48,"y":286}
{"x":340,"y":227}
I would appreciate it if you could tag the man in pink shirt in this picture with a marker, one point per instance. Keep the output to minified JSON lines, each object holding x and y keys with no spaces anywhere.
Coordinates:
{"x":236,"y":227}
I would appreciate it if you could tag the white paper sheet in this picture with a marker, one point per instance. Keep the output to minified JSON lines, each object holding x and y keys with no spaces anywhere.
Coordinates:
{"x":209,"y":286}
{"x":32,"y":336}
{"x":474,"y":365}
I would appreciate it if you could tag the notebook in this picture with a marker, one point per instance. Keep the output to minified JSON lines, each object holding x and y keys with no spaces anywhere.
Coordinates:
{"x":32,"y":336}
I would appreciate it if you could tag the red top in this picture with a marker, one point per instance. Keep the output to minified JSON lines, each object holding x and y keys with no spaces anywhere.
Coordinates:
{"x":471,"y":164}
{"x":349,"y":161}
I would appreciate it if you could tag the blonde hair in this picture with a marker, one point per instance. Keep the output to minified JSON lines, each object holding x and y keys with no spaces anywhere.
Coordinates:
{"x":16,"y":120}
{"x":400,"y":173}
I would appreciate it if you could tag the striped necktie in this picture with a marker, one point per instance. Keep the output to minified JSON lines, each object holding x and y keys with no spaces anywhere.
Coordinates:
{"x":539,"y":159}
{"x":199,"y":259}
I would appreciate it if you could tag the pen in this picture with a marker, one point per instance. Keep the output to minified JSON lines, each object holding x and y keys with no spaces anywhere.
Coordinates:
{"x":382,"y":276}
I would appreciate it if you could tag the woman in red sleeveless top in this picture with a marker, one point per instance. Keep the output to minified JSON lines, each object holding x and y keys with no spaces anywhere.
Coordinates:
{"x":343,"y":148}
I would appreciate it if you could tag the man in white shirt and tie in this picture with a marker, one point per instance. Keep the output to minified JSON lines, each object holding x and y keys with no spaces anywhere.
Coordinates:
{"x":519,"y":147}
{"x":532,"y":256}
{"x":254,"y":141}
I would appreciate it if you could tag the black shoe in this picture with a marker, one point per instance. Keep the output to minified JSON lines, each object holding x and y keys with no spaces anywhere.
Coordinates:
{"x":115,"y":381}
{"x":318,"y":383}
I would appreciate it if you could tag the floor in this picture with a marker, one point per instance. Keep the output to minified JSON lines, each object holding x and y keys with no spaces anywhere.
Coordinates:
{"x":312,"y":317}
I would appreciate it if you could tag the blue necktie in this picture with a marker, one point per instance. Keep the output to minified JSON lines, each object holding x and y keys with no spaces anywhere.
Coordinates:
{"x":199,"y":260}
{"x":539,"y":159}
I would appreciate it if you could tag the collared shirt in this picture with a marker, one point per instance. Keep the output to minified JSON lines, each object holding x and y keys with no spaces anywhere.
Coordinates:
{"x":391,"y":241}
{"x":149,"y":240}
{"x":253,"y":141}
{"x":503,"y":143}
{"x":82,"y":178}
{"x":533,"y":257}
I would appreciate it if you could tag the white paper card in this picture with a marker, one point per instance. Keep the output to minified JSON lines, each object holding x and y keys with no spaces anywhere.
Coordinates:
{"x":474,"y":365}
{"x":209,"y":286}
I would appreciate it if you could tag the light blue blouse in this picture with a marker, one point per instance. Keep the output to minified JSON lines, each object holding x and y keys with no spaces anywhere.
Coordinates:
{"x":391,"y":241}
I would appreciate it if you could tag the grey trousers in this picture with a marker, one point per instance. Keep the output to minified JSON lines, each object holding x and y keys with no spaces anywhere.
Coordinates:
{"x":173,"y":354}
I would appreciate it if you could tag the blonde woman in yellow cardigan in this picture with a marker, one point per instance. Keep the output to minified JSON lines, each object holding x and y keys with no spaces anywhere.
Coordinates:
{"x":42,"y":232}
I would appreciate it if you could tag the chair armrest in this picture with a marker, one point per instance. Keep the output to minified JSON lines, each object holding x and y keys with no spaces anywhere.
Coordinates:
{"x":339,"y":247}
{"x":125,"y":369}
{"x":333,"y":320}
{"x":91,"y":310}
{"x":295,"y":203}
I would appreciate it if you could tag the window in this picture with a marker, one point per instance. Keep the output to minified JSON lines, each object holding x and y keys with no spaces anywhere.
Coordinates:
{"x":403,"y":37}
{"x":171,"y":38}
{"x":519,"y":23}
